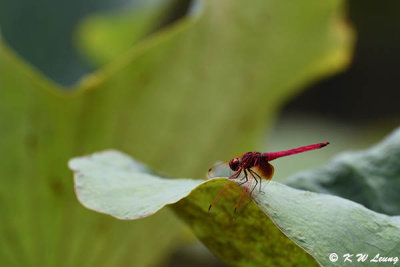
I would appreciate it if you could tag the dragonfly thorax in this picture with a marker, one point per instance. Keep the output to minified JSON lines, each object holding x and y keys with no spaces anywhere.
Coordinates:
{"x":251,"y":159}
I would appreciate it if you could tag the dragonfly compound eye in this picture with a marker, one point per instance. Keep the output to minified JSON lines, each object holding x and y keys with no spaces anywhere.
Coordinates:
{"x":234,"y":164}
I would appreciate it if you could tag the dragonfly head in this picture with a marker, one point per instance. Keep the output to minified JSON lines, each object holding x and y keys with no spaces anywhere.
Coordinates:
{"x":234,"y":164}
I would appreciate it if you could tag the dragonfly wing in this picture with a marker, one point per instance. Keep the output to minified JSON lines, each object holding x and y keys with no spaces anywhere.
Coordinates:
{"x":266,"y":171}
{"x":220,"y":169}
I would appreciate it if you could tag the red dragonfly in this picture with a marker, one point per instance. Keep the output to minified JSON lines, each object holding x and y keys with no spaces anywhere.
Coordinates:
{"x":252,"y":165}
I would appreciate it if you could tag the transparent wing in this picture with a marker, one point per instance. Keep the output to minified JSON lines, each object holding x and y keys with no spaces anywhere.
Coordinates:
{"x":220,"y":169}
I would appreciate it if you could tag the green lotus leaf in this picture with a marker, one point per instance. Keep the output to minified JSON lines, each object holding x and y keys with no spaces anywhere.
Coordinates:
{"x":190,"y":94}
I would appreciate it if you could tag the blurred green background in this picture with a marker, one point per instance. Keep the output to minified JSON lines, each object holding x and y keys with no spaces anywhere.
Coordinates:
{"x":65,"y":41}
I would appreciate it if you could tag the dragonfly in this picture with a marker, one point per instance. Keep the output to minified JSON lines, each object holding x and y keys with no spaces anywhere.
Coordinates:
{"x":252,"y":165}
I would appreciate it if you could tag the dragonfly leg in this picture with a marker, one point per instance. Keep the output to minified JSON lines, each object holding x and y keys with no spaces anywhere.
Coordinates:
{"x":252,"y":174}
{"x":255,"y":173}
{"x":259,"y":177}
{"x":236,"y":174}
{"x":244,"y":191}
{"x":228,"y":185}
{"x":245,"y":177}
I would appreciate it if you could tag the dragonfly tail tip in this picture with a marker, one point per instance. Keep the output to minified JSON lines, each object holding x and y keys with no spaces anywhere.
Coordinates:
{"x":324,"y":144}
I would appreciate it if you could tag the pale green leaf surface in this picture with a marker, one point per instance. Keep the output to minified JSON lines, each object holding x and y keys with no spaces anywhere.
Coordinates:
{"x":110,"y":182}
{"x":323,"y":224}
